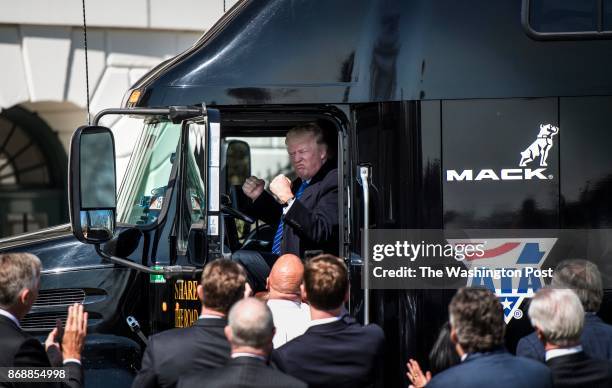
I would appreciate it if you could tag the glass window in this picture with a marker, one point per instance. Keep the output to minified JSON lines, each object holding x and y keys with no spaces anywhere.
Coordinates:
{"x":143,"y":190}
{"x":607,"y":15}
{"x":194,"y":205}
{"x":563,"y":15}
{"x":22,"y":162}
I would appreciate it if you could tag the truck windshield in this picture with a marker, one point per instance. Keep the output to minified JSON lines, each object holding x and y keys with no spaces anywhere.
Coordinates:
{"x":142,"y":192}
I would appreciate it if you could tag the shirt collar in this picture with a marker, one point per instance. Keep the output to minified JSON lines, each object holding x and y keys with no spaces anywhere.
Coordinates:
{"x":239,"y":354}
{"x":10,"y":316}
{"x":562,"y":352}
{"x":324,"y":321}
{"x":210,"y":316}
{"x":284,"y":303}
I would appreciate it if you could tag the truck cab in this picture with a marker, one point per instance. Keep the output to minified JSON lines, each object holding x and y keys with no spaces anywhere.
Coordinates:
{"x":433,"y":107}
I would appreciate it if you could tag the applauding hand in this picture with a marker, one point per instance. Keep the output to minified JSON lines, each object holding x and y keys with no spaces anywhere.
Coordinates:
{"x":416,"y":376}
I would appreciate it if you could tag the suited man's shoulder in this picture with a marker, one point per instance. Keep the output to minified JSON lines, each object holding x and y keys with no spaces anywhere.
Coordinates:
{"x":223,"y":377}
{"x":330,"y":176}
{"x":479,"y":372}
{"x":593,"y":325}
{"x":531,"y":347}
{"x":166,"y":343}
{"x":18,"y":346}
{"x":371,"y":334}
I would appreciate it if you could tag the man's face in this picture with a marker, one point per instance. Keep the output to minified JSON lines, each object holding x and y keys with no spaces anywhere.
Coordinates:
{"x":306,"y":155}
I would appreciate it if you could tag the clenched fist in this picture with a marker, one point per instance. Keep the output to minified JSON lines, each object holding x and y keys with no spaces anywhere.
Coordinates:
{"x":253,"y":187}
{"x":281,"y":187}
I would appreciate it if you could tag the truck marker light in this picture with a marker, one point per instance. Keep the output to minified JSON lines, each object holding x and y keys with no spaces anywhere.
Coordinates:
{"x":134,"y":97}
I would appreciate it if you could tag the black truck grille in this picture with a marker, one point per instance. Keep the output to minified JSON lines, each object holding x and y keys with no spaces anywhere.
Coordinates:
{"x":59,"y":297}
{"x":43,"y":321}
{"x":50,"y":306}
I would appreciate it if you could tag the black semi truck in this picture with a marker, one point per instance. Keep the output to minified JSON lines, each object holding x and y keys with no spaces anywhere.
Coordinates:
{"x":446,"y":114}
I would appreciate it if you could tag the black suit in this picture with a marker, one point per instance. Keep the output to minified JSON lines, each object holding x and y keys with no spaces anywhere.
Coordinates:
{"x":338,"y":354}
{"x":241,"y":372}
{"x":312,"y":221}
{"x":596,"y":340}
{"x":173,"y":353}
{"x":494,"y":369}
{"x":19,"y":349}
{"x":579,"y":370}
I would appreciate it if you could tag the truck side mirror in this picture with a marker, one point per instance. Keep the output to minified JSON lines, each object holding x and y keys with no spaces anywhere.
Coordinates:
{"x":92,"y":184}
{"x":238,"y":162}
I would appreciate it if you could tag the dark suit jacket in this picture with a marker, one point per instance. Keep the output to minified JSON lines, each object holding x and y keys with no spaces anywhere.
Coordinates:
{"x":173,"y":353}
{"x":241,"y":372}
{"x":596,"y":341}
{"x":578,"y":370}
{"x":19,"y":349}
{"x":338,"y":354}
{"x":498,"y":369}
{"x":312,"y":221}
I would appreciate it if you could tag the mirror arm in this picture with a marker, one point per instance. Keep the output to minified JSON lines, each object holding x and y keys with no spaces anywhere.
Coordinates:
{"x":168,"y":272}
{"x":174,"y":113}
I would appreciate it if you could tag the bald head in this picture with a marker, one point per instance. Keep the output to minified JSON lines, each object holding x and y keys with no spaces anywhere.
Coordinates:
{"x":251,"y":324}
{"x":285,"y":277}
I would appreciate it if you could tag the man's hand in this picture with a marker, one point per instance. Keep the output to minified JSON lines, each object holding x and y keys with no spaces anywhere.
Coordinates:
{"x":281,"y":187}
{"x":417,"y":378}
{"x":253,"y":187}
{"x":75,"y":332}
{"x":248,"y":291}
{"x":52,"y":340}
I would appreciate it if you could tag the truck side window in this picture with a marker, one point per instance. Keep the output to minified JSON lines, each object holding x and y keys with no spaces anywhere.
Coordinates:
{"x":144,"y":185}
{"x":194,"y":203}
{"x":563,"y":15}
{"x":567,"y":19}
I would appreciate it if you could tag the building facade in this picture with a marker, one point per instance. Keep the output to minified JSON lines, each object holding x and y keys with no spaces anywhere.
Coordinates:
{"x":43,"y":96}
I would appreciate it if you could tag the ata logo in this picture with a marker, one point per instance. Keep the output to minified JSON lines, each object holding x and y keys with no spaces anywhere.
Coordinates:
{"x":538,"y":149}
{"x":511,"y":268}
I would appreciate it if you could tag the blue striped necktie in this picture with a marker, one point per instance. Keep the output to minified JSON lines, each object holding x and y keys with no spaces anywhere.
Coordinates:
{"x":278,"y":237}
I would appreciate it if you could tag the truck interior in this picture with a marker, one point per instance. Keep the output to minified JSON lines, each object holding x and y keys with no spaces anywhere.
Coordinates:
{"x":255,"y":145}
{"x":252,"y":143}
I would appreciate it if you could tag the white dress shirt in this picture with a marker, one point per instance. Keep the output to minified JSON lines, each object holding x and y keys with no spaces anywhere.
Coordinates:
{"x":10,"y":316}
{"x":290,"y":201}
{"x":323,"y":321}
{"x":290,"y":318}
{"x":562,"y":352}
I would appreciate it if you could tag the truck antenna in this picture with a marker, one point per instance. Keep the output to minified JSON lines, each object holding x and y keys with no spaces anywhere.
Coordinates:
{"x":86,"y":65}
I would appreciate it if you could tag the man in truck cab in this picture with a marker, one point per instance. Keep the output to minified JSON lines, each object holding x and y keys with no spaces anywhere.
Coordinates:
{"x":304,"y":211}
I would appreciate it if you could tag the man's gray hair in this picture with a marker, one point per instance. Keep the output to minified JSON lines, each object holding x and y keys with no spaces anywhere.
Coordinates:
{"x":311,"y":128}
{"x":583,"y":278}
{"x":251,"y":322}
{"x":558,"y":313}
{"x":18,"y":271}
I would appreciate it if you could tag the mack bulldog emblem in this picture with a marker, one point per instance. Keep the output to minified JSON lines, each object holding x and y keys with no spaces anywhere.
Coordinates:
{"x":540,"y":147}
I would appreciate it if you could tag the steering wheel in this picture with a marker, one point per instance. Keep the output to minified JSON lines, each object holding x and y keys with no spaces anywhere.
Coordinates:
{"x":237,"y":214}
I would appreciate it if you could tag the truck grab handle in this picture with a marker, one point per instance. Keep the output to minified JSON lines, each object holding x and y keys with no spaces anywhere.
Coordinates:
{"x":167,"y":272}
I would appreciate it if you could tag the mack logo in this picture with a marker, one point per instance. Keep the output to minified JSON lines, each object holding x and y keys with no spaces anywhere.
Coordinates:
{"x":506,"y":174}
{"x":539,"y":149}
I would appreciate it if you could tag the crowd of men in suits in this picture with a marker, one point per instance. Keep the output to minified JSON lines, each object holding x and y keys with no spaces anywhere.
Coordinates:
{"x":570,"y":345}
{"x":298,"y":333}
